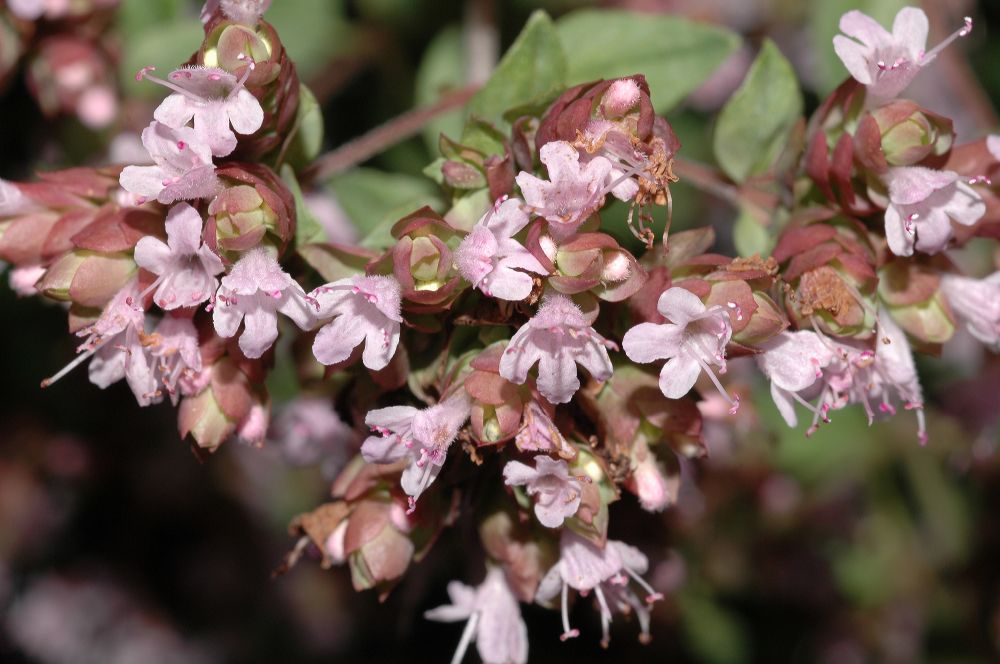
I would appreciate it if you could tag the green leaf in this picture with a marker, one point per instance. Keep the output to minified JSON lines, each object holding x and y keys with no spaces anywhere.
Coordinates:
{"x":335,"y":262}
{"x":165,"y":44}
{"x":533,"y":67}
{"x":313,"y":32}
{"x":307,"y":229}
{"x":441,"y":71}
{"x":749,"y":236}
{"x":754,"y":125}
{"x":372,"y":198}
{"x":676,"y":55}
{"x":308,"y":138}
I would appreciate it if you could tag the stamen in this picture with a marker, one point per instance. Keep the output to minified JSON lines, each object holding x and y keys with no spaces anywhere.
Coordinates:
{"x":467,"y":635}
{"x":815,"y":410}
{"x":605,"y":618}
{"x":144,"y":74}
{"x":961,"y":32}
{"x":568,"y":633}
{"x":69,"y":367}
{"x":734,"y":403}
{"x":651,"y":594}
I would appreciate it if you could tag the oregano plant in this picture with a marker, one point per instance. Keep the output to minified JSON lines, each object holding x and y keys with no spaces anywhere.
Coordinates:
{"x":532,"y":342}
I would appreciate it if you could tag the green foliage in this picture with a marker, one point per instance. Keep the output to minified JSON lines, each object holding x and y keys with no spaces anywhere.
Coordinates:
{"x":750,"y":236}
{"x":307,"y":141}
{"x":307,"y":229}
{"x":161,"y":33}
{"x":440,"y":71}
{"x":676,"y":55}
{"x":533,"y":68}
{"x":374,"y":200}
{"x":754,"y":124}
{"x":312,"y":31}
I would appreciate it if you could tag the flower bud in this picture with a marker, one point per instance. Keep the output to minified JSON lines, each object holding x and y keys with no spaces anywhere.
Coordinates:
{"x":901,"y":133}
{"x":497,"y":403}
{"x":591,"y":519}
{"x":653,"y":482}
{"x":525,"y":556}
{"x":595,"y":261}
{"x":253,"y":202}
{"x":378,"y":553}
{"x":39,"y":221}
{"x":319,"y":525}
{"x":911,"y":292}
{"x":422,"y":261}
{"x":623,"y":100}
{"x":213,"y":414}
{"x":87,"y":278}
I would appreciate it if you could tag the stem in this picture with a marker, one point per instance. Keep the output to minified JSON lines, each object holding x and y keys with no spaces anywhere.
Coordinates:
{"x":385,"y":136}
{"x":711,"y":181}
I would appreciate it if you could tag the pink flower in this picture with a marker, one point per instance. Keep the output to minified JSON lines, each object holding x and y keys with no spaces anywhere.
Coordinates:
{"x":114,"y":344}
{"x":558,"y":337}
{"x":247,"y":12}
{"x":585,"y":568}
{"x":539,"y":434}
{"x":838,"y":374}
{"x":794,"y":361}
{"x":252,"y":429}
{"x":693,"y":341}
{"x":185,"y":267}
{"x":309,"y":431}
{"x":887,"y":63}
{"x":993,"y":145}
{"x":555,"y":491}
{"x":23,"y":278}
{"x":648,"y":479}
{"x":493,"y":619}
{"x":365,"y":309}
{"x":492,"y":260}
{"x":420,"y":436}
{"x":621,"y":97}
{"x":571,"y":194}
{"x":182,"y":170}
{"x":922,"y":205}
{"x":214,"y":99}
{"x":254,"y":291}
{"x":977,"y":302}
{"x":175,"y":353}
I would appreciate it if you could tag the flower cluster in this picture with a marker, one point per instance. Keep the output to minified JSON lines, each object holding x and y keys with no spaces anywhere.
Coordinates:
{"x":512,"y":349}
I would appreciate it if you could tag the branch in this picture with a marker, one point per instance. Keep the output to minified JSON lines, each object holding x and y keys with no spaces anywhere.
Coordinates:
{"x":385,"y":136}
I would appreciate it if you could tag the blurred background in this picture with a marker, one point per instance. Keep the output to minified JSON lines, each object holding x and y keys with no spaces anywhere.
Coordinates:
{"x":118,"y":546}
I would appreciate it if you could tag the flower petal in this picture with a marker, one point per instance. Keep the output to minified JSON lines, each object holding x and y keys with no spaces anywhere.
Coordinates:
{"x":909,"y":29}
{"x":647,"y":342}
{"x":245,"y":112}
{"x":337,"y":340}
{"x":260,"y":329}
{"x":557,"y":376}
{"x":678,"y":376}
{"x":679,"y":305}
